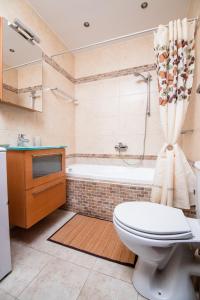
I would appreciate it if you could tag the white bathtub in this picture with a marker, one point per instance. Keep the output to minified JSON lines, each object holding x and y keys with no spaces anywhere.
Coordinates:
{"x":136,"y":175}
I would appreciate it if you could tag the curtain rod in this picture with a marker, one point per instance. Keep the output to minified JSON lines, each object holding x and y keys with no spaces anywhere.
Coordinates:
{"x":116,"y":39}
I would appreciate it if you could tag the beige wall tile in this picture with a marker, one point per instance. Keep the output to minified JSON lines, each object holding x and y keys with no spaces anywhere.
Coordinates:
{"x":55,"y":124}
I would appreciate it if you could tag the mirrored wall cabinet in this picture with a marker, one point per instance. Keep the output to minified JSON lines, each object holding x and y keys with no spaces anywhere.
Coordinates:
{"x":21,"y":66}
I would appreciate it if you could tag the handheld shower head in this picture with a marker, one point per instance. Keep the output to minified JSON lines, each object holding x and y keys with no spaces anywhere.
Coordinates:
{"x":148,"y":77}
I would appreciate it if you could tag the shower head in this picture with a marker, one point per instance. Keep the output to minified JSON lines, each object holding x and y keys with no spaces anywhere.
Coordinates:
{"x":148,"y":77}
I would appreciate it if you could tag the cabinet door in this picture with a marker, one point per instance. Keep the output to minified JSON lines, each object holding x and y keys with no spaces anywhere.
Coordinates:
{"x":44,"y":199}
{"x":43,"y":166}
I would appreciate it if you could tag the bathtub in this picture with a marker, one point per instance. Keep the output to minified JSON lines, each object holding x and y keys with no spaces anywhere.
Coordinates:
{"x":128,"y":174}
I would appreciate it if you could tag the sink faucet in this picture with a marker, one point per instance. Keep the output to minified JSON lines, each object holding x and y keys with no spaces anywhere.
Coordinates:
{"x":22,"y":141}
{"x":120,"y":147}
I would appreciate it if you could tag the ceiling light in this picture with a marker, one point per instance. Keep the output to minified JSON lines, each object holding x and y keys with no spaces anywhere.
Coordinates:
{"x":26,"y":33}
{"x":144,"y":5}
{"x":86,"y":24}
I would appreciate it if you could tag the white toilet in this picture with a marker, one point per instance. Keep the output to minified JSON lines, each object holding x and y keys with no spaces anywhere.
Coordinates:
{"x":164,"y":240}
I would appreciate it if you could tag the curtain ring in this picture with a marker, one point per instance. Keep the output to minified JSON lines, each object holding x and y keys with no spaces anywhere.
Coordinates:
{"x":170,"y":147}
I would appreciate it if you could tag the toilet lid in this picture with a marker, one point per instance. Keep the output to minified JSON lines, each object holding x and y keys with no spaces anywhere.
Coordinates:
{"x":152,"y":218}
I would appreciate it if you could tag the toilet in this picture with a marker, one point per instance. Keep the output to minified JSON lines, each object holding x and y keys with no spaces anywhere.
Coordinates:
{"x":165,"y":241}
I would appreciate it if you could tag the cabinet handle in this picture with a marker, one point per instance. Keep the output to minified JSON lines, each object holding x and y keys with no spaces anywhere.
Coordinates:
{"x":46,"y":188}
{"x":46,"y":154}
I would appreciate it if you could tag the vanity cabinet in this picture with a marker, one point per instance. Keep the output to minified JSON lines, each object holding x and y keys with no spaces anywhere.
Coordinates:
{"x":36,"y":184}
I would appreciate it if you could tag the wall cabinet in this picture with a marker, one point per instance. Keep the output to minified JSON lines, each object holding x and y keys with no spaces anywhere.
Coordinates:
{"x":36,"y":184}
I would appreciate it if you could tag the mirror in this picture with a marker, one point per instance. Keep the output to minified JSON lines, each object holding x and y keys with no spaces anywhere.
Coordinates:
{"x":22,"y":67}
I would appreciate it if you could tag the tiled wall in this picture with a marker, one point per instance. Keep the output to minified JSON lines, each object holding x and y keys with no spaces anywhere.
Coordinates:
{"x":55,"y":124}
{"x":112,"y":110}
{"x":98,"y":198}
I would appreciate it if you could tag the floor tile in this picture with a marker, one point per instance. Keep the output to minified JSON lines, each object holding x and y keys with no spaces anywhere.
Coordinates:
{"x":75,"y":256}
{"x":27,"y":256}
{"x":113,"y":269}
{"x":58,"y":280}
{"x":102,"y":287}
{"x":65,"y":253}
{"x":5,"y":296}
{"x":42,"y":230}
{"x":18,"y":280}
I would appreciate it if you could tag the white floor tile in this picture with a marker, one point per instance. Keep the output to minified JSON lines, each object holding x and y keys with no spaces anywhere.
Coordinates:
{"x":75,"y":256}
{"x":18,"y":280}
{"x":42,"y":230}
{"x":113,"y":269}
{"x":102,"y":287}
{"x":5,"y":296}
{"x":27,"y":256}
{"x":58,"y":280}
{"x":46,"y":270}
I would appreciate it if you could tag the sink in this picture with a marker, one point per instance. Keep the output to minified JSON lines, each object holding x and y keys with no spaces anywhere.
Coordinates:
{"x":26,"y":148}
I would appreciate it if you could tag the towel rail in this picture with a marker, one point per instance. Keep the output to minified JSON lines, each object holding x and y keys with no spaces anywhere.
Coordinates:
{"x":63,"y":94}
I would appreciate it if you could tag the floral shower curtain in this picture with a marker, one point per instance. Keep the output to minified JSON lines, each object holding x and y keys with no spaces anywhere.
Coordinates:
{"x":174,"y":179}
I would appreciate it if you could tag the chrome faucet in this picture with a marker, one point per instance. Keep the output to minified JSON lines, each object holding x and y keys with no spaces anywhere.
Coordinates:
{"x":120,"y":147}
{"x":22,"y":141}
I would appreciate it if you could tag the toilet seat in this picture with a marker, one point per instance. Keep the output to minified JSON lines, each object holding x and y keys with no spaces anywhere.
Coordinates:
{"x":152,"y":221}
{"x":180,"y":236}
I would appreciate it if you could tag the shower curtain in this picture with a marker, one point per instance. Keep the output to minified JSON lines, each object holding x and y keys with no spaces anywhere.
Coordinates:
{"x":174,"y":179}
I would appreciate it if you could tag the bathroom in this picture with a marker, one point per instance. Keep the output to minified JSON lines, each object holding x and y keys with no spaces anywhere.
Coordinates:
{"x":83,"y":144}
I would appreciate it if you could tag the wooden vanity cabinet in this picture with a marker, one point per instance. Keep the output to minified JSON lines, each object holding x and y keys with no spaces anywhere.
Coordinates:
{"x":36,"y":184}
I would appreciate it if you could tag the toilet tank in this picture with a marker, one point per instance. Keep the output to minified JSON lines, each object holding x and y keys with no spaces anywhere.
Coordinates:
{"x":197,"y":169}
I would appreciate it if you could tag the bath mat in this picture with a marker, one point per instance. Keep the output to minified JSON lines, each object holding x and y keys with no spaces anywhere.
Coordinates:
{"x":94,"y":236}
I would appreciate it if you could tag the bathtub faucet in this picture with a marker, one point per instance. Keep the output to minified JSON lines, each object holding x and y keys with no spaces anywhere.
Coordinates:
{"x":120,"y":147}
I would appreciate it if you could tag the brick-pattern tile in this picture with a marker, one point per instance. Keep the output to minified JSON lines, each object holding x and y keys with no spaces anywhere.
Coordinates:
{"x":99,"y":198}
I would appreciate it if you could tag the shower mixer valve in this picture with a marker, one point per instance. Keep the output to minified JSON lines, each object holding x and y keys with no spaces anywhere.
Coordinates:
{"x":120,"y":147}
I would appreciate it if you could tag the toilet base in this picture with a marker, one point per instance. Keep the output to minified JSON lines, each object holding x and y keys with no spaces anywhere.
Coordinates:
{"x":172,"y":282}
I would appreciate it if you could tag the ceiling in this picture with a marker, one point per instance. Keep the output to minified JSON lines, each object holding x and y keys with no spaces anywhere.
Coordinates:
{"x":108,"y":18}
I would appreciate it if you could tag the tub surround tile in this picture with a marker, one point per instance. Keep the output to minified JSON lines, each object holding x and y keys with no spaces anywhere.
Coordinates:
{"x":110,"y":156}
{"x":58,"y":67}
{"x":97,"y":77}
{"x":113,"y":74}
{"x":99,"y":198}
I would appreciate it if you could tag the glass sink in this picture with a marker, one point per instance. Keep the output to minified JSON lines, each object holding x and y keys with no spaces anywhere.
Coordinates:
{"x":21,"y":148}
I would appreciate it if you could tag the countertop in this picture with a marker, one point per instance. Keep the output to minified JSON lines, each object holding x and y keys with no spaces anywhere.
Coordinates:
{"x":31,"y":148}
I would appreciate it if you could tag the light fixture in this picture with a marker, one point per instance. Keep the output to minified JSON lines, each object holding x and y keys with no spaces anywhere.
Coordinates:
{"x":26,"y":33}
{"x":144,"y":5}
{"x":86,"y":24}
